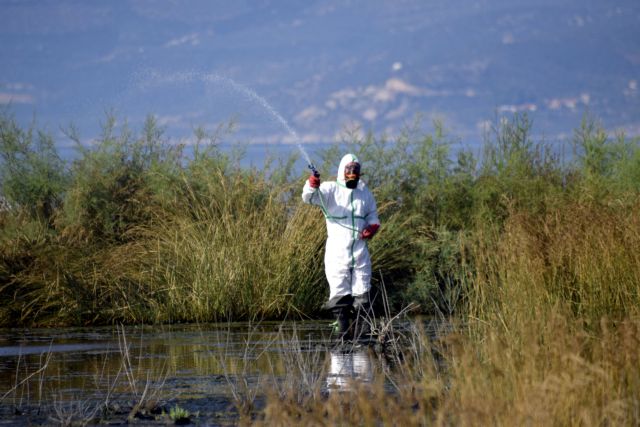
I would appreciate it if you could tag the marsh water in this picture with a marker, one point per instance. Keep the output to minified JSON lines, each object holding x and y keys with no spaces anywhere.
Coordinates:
{"x":209,"y":370}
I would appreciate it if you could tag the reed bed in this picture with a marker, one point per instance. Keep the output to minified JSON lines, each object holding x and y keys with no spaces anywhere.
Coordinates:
{"x":553,"y":319}
{"x":229,"y":259}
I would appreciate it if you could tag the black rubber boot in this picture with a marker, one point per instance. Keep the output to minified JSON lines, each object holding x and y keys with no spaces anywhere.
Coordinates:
{"x":342,"y":309}
{"x":363,"y":317}
{"x":343,"y":318}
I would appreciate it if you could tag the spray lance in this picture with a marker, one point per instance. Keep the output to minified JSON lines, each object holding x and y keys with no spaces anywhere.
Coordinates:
{"x":314,"y":170}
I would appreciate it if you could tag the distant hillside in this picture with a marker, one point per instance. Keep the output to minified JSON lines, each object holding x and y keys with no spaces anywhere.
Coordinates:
{"x":324,"y":65}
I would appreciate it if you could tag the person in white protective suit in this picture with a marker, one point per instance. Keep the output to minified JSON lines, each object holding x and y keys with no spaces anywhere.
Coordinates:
{"x":352,"y":218}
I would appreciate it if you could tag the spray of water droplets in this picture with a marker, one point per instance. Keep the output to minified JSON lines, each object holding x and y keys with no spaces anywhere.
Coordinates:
{"x":150,"y":78}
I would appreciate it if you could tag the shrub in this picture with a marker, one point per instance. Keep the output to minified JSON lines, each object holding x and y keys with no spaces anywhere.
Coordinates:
{"x":33,"y":177}
{"x":115,"y":185}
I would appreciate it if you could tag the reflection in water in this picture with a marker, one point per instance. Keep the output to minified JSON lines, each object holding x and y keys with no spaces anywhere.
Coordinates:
{"x":206,"y":367}
{"x":347,"y":367}
{"x":189,"y":357}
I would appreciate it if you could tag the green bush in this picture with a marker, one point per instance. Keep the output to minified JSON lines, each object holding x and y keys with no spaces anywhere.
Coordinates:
{"x":33,"y":177}
{"x":606,"y":167}
{"x":117,"y":182}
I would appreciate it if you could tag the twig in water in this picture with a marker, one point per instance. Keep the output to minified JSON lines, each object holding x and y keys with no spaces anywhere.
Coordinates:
{"x":40,"y":370}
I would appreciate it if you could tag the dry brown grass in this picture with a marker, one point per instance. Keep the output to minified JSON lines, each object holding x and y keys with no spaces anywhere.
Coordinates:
{"x":553,"y":327}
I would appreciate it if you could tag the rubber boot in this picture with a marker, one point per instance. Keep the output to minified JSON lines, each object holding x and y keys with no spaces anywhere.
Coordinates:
{"x":363,"y":317}
{"x":343,"y":318}
{"x":342,"y":308}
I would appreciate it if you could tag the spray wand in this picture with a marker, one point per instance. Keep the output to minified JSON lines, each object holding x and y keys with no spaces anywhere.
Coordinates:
{"x":314,"y":170}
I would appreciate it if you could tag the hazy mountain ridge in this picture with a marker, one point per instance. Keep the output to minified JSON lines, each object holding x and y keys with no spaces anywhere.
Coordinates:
{"x":324,"y":65}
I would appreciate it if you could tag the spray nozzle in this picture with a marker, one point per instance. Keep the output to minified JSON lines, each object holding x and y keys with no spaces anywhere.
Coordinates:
{"x":314,"y":170}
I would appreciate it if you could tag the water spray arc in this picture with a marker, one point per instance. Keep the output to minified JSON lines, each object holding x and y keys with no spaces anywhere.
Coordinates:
{"x":253,"y":96}
{"x":153,"y":77}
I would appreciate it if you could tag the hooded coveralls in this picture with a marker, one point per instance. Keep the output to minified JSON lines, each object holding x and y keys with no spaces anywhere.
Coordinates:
{"x":347,"y":212}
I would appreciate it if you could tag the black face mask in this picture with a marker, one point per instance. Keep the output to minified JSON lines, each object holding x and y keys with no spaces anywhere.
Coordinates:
{"x":352,"y":175}
{"x":352,"y":183}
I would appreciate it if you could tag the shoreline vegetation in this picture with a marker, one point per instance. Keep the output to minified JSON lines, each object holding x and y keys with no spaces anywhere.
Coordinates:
{"x":535,"y":255}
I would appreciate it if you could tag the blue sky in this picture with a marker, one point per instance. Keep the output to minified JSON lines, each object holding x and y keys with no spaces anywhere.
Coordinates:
{"x":321,"y":67}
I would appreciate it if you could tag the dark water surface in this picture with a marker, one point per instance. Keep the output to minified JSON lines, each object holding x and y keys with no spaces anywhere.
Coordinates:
{"x":140,"y":373}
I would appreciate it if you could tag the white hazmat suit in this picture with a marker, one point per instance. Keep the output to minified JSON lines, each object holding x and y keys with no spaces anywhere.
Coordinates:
{"x":348,"y":212}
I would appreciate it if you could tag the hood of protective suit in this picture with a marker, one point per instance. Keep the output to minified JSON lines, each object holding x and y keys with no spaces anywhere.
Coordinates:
{"x":348,"y":158}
